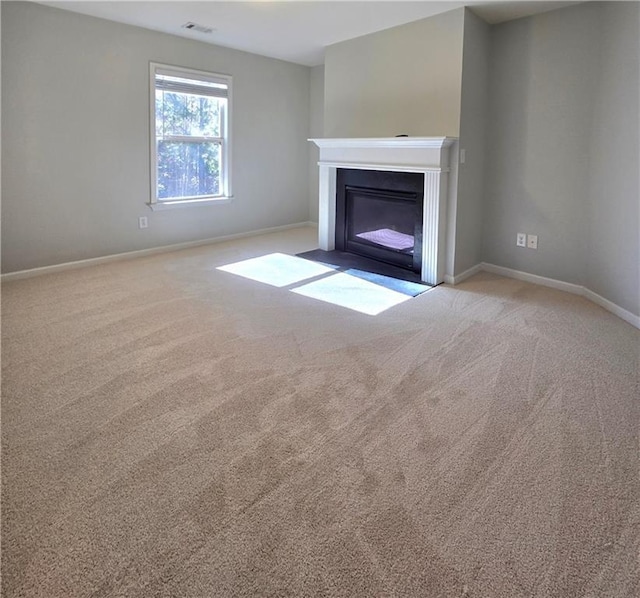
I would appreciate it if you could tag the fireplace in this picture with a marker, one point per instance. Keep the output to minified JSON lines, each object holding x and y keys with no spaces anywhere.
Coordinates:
{"x":379,"y":215}
{"x":433,"y":159}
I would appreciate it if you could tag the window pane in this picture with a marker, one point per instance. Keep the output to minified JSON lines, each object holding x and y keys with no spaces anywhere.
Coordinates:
{"x":188,"y":169}
{"x":187,"y":114}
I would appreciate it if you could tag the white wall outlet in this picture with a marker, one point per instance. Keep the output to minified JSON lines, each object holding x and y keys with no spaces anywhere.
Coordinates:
{"x":532,"y":241}
{"x":521,"y":240}
{"x":463,"y":156}
{"x":142,"y":222}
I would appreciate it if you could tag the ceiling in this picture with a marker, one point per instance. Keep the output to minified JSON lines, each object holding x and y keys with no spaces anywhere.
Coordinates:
{"x":292,"y":30}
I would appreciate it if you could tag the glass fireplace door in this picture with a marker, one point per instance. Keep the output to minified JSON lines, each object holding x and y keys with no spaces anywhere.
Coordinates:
{"x":381,"y":225}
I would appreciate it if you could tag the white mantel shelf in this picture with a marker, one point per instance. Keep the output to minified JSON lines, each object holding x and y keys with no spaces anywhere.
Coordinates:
{"x":430,"y":156}
{"x":406,"y":154}
{"x":413,"y":142}
{"x":373,"y":166}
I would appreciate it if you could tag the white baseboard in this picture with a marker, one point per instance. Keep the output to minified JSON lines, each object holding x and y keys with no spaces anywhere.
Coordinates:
{"x":20,"y":274}
{"x":576,"y":289}
{"x":553,"y":283}
{"x":534,"y":278}
{"x":568,"y":287}
{"x":627,"y":316}
{"x":463,"y":275}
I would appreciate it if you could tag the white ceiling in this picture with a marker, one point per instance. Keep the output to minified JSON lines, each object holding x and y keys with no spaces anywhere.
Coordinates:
{"x":293,"y":30}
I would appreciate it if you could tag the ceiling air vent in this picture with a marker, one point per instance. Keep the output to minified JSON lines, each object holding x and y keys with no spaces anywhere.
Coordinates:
{"x":196,"y":27}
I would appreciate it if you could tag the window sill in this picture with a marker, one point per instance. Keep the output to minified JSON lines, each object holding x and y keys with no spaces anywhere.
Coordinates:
{"x":189,"y":203}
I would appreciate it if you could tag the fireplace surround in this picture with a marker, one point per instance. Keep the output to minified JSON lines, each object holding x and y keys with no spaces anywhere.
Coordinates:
{"x":434,"y":158}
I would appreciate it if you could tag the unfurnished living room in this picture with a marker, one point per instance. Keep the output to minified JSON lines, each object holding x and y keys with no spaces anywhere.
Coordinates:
{"x":320,"y":299}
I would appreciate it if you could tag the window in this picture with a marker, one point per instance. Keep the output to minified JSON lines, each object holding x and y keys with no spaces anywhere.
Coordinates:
{"x":190,"y":144}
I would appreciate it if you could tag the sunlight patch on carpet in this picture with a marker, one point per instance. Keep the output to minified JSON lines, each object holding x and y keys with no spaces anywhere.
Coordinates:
{"x":394,"y":284}
{"x":353,"y":293}
{"x":277,"y":269}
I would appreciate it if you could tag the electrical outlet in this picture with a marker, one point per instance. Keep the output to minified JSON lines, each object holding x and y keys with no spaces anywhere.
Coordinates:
{"x":521,"y":240}
{"x":142,"y":222}
{"x":532,"y":241}
{"x":463,"y":156}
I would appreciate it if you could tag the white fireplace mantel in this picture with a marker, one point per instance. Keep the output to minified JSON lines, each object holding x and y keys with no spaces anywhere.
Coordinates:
{"x":430,"y":156}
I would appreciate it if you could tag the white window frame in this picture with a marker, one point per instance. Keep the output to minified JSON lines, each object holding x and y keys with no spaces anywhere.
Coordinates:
{"x":225,"y":195}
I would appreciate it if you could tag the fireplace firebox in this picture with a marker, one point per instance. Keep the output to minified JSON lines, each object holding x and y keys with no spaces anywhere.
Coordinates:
{"x":379,"y":215}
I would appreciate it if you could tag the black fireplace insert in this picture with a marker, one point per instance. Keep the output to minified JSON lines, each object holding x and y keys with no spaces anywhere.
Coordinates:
{"x":379,"y":215}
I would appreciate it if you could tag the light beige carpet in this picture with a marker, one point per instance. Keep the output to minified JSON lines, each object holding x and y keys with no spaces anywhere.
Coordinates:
{"x":172,"y":430}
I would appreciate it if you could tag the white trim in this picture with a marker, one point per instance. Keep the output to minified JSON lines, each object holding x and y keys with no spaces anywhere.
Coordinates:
{"x":21,"y":274}
{"x":188,"y":203}
{"x":622,"y":313}
{"x":227,"y":122}
{"x":453,"y":280}
{"x":393,"y":167}
{"x":568,"y":287}
{"x":193,"y":139}
{"x":175,"y":71}
{"x":153,"y":159}
{"x":575,"y":289}
{"x":553,"y":283}
{"x":373,"y":142}
{"x":327,"y":208}
{"x":433,"y":231}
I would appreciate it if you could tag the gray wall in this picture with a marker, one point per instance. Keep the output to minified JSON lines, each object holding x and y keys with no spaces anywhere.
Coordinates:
{"x":316,"y":129}
{"x":473,"y":120}
{"x":562,"y":151}
{"x":613,"y":264}
{"x":537,"y":181}
{"x":75,"y":151}
{"x":427,"y":78}
{"x":402,"y":80}
{"x":0,"y":136}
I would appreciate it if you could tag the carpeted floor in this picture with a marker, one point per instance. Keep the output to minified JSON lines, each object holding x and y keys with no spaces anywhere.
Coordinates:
{"x":173,"y":430}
